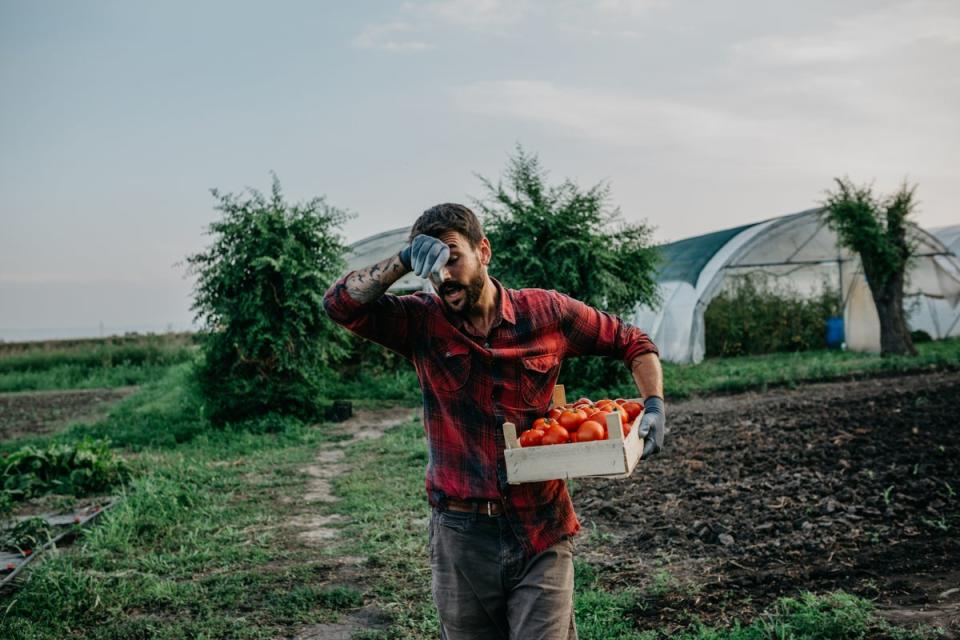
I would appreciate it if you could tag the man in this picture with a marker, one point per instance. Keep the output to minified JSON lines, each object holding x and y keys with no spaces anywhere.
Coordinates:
{"x":500,"y":554}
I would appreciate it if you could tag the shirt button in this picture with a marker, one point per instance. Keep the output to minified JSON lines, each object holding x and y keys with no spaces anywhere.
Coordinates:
{"x":486,"y":344}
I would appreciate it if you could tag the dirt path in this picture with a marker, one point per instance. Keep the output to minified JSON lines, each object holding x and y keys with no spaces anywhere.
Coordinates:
{"x":849,"y":485}
{"x":315,"y":530}
{"x":39,"y":413}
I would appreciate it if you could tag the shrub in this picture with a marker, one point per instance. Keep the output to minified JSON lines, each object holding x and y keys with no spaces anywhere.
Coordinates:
{"x":267,"y":341}
{"x":573,"y":240}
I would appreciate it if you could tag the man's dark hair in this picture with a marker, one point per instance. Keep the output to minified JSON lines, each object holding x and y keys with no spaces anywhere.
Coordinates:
{"x":449,"y":217}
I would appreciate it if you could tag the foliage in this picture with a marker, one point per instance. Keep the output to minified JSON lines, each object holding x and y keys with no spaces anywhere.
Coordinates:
{"x":872,"y":226}
{"x":86,"y":467}
{"x":268,"y":343}
{"x":750,"y":317}
{"x":876,"y":228}
{"x":566,"y":238}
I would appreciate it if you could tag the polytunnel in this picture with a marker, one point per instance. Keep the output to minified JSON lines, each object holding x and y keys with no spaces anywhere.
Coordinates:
{"x":801,"y":254}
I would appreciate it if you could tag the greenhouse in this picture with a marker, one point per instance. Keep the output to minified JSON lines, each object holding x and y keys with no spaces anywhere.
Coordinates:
{"x":800,"y":255}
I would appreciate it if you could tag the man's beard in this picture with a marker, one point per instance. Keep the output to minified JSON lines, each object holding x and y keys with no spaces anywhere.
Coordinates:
{"x":471,"y":293}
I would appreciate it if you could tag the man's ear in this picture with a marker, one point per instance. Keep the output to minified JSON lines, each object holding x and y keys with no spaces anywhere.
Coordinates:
{"x":486,"y":253}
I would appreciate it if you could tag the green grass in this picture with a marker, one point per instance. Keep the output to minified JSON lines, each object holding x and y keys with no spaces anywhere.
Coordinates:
{"x":197,"y":548}
{"x":87,"y":364}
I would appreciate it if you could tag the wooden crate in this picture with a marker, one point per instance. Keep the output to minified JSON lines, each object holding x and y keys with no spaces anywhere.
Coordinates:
{"x":615,"y":457}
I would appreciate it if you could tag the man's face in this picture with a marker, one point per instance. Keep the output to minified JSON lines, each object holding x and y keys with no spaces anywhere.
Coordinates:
{"x":461,"y":280}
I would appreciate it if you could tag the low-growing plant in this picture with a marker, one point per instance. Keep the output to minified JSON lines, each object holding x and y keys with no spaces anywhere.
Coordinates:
{"x":81,"y":468}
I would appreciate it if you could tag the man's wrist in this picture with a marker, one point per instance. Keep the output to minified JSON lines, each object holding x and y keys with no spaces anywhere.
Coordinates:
{"x":405,"y":259}
{"x":653,"y":404}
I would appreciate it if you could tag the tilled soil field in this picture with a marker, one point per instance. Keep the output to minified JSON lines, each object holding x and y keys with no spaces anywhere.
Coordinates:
{"x":850,"y":485}
{"x":36,"y":413}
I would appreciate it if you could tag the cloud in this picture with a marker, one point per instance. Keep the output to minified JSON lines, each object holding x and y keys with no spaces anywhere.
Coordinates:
{"x":477,"y":14}
{"x":620,"y":118}
{"x":385,"y":37}
{"x":713,"y":127}
{"x":861,"y":37}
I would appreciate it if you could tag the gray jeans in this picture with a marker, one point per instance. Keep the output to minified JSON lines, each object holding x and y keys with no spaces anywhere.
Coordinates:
{"x":485,"y":589}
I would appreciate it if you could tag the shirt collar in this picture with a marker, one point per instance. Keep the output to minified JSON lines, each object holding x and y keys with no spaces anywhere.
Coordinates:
{"x":505,"y":311}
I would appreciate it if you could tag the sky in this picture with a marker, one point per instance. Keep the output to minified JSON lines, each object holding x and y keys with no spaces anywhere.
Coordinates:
{"x":117,"y":118}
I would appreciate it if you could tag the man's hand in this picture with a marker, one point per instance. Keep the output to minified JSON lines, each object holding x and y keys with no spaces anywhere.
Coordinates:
{"x":653,"y":425}
{"x":425,"y":255}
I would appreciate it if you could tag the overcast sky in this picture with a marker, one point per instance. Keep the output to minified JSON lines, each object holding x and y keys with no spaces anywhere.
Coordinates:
{"x":116,"y":118}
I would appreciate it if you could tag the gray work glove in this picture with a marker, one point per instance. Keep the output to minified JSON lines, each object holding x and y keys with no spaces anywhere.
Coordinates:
{"x":653,"y":426}
{"x":425,"y":255}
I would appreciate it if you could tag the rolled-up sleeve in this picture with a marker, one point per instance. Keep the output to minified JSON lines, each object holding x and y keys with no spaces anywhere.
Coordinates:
{"x":389,"y":320}
{"x":589,"y":331}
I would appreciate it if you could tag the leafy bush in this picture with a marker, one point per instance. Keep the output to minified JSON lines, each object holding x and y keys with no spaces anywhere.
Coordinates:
{"x":82,"y":468}
{"x":267,"y":342}
{"x":569,"y":239}
{"x":750,"y":317}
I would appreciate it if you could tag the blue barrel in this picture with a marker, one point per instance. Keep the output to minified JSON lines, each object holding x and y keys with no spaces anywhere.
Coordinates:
{"x":835,"y":336}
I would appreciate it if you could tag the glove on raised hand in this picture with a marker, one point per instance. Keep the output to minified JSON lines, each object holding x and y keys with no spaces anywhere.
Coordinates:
{"x":653,"y":425}
{"x":425,"y":255}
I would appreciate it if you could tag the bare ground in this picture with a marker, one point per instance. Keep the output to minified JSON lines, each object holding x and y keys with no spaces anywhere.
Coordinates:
{"x":847,"y":485}
{"x":39,"y":413}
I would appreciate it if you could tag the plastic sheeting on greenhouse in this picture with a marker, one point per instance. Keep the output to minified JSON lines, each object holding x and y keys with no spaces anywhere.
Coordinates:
{"x":797,"y":253}
{"x":381,"y":246}
{"x":939,"y":317}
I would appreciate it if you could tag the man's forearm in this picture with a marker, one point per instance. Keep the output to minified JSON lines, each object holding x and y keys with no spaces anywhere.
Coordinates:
{"x":368,"y":284}
{"x":648,"y":375}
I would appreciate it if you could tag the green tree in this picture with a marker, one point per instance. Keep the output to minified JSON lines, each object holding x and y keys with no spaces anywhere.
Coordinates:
{"x":267,"y":342}
{"x":566,"y":238}
{"x":876,"y":228}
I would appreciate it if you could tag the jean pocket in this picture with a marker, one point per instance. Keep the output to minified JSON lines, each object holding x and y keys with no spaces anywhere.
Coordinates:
{"x":457,"y":520}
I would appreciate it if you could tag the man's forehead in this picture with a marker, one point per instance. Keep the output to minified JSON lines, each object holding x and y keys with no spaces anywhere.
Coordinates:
{"x":454,"y":239}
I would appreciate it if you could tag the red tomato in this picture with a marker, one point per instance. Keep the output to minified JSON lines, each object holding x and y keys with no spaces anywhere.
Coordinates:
{"x":541,"y":424}
{"x":556,"y":435}
{"x":620,"y":401}
{"x":590,"y":430}
{"x":555,"y":413}
{"x":633,"y":409}
{"x":531,"y":438}
{"x":571,"y":419}
{"x":574,"y":437}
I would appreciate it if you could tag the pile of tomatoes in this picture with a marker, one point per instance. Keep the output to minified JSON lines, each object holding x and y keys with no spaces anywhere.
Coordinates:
{"x":580,"y":421}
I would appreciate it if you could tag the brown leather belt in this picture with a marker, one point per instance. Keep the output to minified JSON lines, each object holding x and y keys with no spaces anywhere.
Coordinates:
{"x":483,"y":507}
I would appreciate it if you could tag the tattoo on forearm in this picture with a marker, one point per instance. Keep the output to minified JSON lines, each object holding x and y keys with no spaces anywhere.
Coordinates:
{"x":368,"y":284}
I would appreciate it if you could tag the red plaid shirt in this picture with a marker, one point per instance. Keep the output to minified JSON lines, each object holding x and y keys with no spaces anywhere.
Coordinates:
{"x":473,"y":384}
